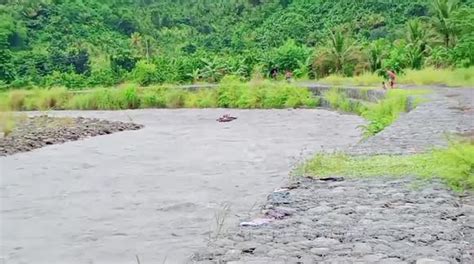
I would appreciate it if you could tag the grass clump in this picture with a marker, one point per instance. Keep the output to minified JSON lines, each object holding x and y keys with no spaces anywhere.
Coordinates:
{"x":463,"y":77}
{"x":385,"y":112}
{"x":454,"y":165}
{"x":7,"y":123}
{"x":379,"y":115}
{"x":459,"y":77}
{"x":231,"y":93}
{"x":263,"y":94}
{"x":365,"y":79}
{"x":338,"y":100}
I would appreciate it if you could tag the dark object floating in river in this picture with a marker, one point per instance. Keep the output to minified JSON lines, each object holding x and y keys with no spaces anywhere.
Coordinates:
{"x":332,"y":179}
{"x":226,"y":118}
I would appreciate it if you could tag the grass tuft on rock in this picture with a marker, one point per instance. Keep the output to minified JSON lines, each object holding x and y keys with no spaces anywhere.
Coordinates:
{"x":454,"y":165}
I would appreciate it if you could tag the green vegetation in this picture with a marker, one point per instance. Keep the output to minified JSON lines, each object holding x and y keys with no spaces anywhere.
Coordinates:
{"x":380,"y":114}
{"x":454,"y":165}
{"x":231,"y":93}
{"x":463,"y":77}
{"x":79,"y":44}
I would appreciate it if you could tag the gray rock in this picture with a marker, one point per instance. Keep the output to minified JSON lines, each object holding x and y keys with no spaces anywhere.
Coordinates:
{"x":430,"y":261}
{"x":325,"y":242}
{"x":362,"y":248}
{"x":277,"y":252}
{"x":320,"y":251}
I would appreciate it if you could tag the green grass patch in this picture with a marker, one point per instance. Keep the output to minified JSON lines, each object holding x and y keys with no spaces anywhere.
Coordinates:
{"x":231,"y":93}
{"x":462,"y":77}
{"x":379,"y":115}
{"x":454,"y":165}
{"x":365,"y":79}
{"x":459,"y":77}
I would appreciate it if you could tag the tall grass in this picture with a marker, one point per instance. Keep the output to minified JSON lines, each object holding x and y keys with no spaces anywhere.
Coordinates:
{"x":379,"y":115}
{"x":385,"y":112}
{"x":459,"y":77}
{"x":231,"y":93}
{"x":463,"y":77}
{"x":454,"y":165}
{"x":365,"y":79}
{"x":338,"y":100}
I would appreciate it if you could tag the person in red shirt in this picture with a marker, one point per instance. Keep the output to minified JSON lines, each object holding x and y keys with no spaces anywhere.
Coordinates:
{"x":391,"y":77}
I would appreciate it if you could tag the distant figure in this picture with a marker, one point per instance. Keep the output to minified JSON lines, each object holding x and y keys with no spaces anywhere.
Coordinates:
{"x":274,"y":73}
{"x":391,"y":77}
{"x":384,"y":85}
{"x":288,"y":76}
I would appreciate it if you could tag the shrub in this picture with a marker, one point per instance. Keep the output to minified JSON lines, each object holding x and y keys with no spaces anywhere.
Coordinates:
{"x":145,"y":73}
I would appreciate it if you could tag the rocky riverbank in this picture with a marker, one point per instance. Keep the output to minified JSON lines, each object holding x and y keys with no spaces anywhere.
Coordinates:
{"x":381,"y":220}
{"x":378,"y":220}
{"x":35,"y":132}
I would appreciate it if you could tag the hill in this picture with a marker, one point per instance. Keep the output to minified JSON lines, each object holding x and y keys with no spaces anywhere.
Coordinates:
{"x":81,"y":43}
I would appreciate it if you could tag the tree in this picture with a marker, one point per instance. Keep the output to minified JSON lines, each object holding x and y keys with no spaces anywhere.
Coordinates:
{"x":341,"y":55}
{"x":443,"y":11}
{"x":377,"y":51}
{"x":418,"y":37}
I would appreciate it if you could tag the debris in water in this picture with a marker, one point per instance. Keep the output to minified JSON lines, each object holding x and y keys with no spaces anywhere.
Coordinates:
{"x":332,"y":179}
{"x":226,"y":118}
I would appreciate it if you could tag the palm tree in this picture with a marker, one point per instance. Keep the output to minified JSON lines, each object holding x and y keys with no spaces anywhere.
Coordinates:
{"x":418,"y":37}
{"x":340,"y":49}
{"x":377,"y":52}
{"x":136,"y":40}
{"x":443,"y":12}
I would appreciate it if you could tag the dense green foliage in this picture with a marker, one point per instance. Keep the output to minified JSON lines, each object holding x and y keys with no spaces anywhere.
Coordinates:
{"x":454,"y":165}
{"x":82,"y":43}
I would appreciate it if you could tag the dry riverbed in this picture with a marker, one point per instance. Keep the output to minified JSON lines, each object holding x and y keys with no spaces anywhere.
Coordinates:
{"x":160,"y":192}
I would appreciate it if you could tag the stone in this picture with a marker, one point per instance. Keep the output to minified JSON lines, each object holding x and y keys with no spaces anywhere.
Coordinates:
{"x":279,"y":197}
{"x":232,"y":255}
{"x":277,"y":252}
{"x":362,"y":248}
{"x":325,"y":242}
{"x":262,"y":250}
{"x":320,"y":251}
{"x":430,"y":261}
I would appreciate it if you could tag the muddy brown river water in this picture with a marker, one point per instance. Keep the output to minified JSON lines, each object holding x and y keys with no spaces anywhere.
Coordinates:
{"x":154,"y":193}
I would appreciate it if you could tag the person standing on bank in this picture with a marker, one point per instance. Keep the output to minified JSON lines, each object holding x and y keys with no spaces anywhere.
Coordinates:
{"x":392,"y":78}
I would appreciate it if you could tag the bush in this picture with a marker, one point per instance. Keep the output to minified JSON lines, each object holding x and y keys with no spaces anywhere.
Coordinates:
{"x":103,"y":78}
{"x":145,"y":73}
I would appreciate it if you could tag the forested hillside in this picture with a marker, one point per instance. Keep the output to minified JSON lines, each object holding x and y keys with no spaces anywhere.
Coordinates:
{"x":83,"y":43}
